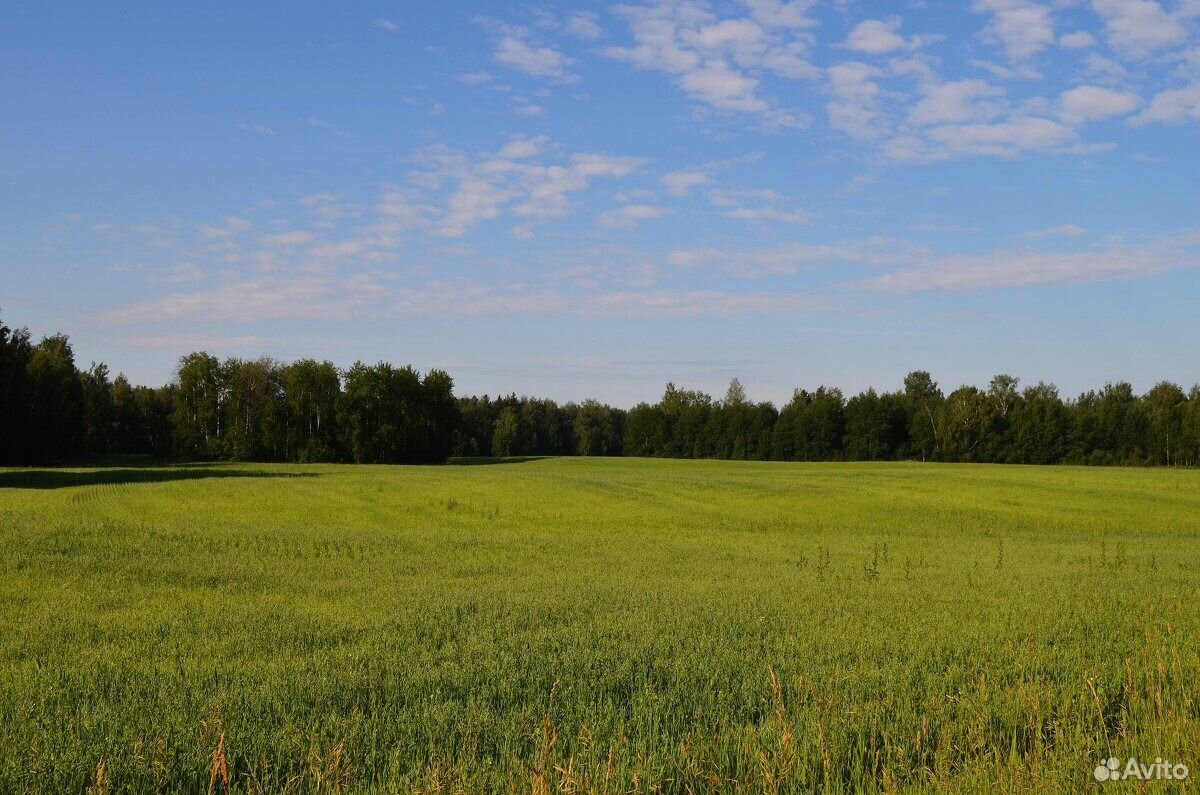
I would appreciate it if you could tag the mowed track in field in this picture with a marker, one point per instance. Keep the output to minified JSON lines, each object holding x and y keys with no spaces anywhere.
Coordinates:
{"x":589,"y":625}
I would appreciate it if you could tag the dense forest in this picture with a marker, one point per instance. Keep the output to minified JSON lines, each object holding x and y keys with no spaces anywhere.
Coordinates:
{"x":263,"y":410}
{"x":237,"y":409}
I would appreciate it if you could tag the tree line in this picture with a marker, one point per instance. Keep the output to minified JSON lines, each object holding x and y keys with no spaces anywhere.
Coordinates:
{"x":309,"y":411}
{"x":1000,"y":424}
{"x":237,"y":409}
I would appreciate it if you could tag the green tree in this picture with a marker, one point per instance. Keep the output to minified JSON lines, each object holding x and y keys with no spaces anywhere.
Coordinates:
{"x":200,"y":406}
{"x":876,"y":427}
{"x":1165,"y":406}
{"x":686,"y":414}
{"x":16,"y":399}
{"x":311,"y":391}
{"x":506,"y":434}
{"x":645,"y":431}
{"x":57,"y":399}
{"x":99,"y":411}
{"x":1190,"y":430}
{"x":441,"y":416}
{"x":923,"y":401}
{"x":596,"y":429}
{"x":256,"y":411}
{"x":1041,"y":426}
{"x":966,"y":418}
{"x":382,"y":414}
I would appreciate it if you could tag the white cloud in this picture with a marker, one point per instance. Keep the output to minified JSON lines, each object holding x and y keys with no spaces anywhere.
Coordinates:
{"x":1171,"y":107}
{"x":720,"y":62}
{"x":521,"y":147}
{"x":1007,"y":138}
{"x":724,"y":87}
{"x":770,"y":213}
{"x":879,"y":37}
{"x":584,"y":25}
{"x":1093,"y":103}
{"x":260,"y":129}
{"x":857,"y":185}
{"x":856,"y":106}
{"x":230,"y":226}
{"x":514,"y":51}
{"x":321,"y":124}
{"x":630,"y":215}
{"x":242,"y":300}
{"x":294,"y":238}
{"x":1066,"y":230}
{"x":191,"y":341}
{"x":1105,"y":70}
{"x":1079,"y":40}
{"x":1138,"y":28}
{"x":792,"y":15}
{"x":511,"y":180}
{"x":700,"y":303}
{"x":789,"y":259}
{"x":1031,"y":268}
{"x":385,"y":25}
{"x":681,"y":183}
{"x":958,"y":102}
{"x":474,"y":78}
{"x":757,"y":206}
{"x":1023,"y":27}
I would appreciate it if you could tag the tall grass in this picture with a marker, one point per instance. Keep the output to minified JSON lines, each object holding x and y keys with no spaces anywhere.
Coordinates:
{"x":596,"y":626}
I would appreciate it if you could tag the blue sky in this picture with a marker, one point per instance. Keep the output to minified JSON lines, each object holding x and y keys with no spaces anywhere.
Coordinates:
{"x":587,"y":199}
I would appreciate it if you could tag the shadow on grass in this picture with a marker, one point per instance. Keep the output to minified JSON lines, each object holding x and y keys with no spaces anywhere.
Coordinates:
{"x":481,"y":461}
{"x":65,"y":479}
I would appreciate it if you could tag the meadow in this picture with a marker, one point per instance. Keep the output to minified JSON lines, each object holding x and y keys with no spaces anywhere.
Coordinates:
{"x":595,"y":625}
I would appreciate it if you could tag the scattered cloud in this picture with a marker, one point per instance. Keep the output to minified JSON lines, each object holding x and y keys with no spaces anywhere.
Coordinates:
{"x":229,"y":227}
{"x":295,"y":238}
{"x":958,"y":102}
{"x":513,"y":50}
{"x":681,"y":183}
{"x":1094,"y":103}
{"x":321,"y":124}
{"x":856,"y":104}
{"x":1011,"y":269}
{"x":1139,"y":28}
{"x":385,"y":25}
{"x":1171,"y":107}
{"x":790,"y":259}
{"x":630,"y":216}
{"x":584,"y":25}
{"x":1066,"y":230}
{"x":474,"y":78}
{"x":259,"y":129}
{"x":1023,"y":28}
{"x":881,"y":36}
{"x":511,"y":180}
{"x":720,"y":62}
{"x":757,"y":206}
{"x":857,"y":185}
{"x":1079,"y":40}
{"x":529,"y":110}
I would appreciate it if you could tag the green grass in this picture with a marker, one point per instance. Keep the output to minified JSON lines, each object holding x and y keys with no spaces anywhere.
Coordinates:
{"x":595,"y":625}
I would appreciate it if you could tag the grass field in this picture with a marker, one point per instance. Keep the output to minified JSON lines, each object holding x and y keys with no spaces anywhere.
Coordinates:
{"x":606,"y":626}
